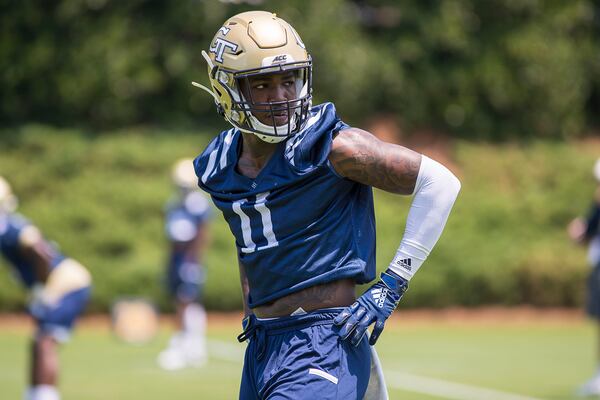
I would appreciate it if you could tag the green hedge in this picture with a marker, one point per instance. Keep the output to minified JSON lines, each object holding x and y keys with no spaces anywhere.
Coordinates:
{"x":101,"y":198}
{"x":491,"y":69}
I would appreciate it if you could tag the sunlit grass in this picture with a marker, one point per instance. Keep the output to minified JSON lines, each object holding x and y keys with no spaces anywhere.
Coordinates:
{"x":546,"y":360}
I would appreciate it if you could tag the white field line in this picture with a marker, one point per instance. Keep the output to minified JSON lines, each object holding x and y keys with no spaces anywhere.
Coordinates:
{"x":228,"y":351}
{"x":445,"y":389}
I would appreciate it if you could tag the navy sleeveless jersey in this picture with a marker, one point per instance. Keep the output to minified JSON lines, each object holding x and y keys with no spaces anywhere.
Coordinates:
{"x":11,"y":227}
{"x":298,"y":223}
{"x":183,"y":219}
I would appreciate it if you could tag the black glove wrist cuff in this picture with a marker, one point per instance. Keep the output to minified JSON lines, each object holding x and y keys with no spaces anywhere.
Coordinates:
{"x":394,"y":282}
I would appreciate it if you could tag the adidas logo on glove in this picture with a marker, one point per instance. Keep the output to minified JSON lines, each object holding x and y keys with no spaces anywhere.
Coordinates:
{"x":379,"y":295}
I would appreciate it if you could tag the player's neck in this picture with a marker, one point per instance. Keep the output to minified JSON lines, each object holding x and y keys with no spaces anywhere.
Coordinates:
{"x":256,"y":147}
{"x":255,"y":154}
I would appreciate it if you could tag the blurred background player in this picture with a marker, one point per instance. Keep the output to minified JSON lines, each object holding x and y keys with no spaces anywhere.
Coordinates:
{"x":187,"y":215}
{"x":587,"y":231}
{"x":59,"y":289}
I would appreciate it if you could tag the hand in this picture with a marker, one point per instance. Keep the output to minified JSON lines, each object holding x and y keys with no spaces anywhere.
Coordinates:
{"x":576,"y":230}
{"x":375,"y":305}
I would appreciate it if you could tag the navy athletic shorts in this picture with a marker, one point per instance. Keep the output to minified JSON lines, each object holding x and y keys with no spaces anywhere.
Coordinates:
{"x":58,"y":319}
{"x":302,"y":357}
{"x":185,"y":281}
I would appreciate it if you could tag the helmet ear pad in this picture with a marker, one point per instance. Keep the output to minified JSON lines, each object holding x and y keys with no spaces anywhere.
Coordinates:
{"x":218,"y":89}
{"x":226,"y":93}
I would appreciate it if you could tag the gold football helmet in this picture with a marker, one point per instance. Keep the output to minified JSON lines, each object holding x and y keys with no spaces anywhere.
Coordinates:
{"x":251,"y":44}
{"x":8,"y":201}
{"x":183,"y":175}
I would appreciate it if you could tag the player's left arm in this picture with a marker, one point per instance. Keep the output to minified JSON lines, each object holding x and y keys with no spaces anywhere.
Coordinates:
{"x":361,"y":157}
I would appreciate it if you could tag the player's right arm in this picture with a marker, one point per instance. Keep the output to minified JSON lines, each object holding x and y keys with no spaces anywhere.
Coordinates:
{"x":249,"y":318}
{"x":358,"y":155}
{"x":245,"y":288}
{"x":361,"y":157}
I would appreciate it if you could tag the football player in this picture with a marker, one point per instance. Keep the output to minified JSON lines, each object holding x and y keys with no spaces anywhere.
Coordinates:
{"x":587,"y":231}
{"x":294,"y":183}
{"x":59,"y":289}
{"x":186,"y":228}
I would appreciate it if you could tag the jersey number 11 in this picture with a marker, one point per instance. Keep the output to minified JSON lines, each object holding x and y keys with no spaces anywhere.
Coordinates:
{"x":267,"y":224}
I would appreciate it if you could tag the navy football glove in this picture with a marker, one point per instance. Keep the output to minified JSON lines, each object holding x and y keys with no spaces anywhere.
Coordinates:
{"x":375,"y":305}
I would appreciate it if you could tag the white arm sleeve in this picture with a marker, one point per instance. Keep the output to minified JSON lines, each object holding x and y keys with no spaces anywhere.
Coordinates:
{"x":435,"y":191}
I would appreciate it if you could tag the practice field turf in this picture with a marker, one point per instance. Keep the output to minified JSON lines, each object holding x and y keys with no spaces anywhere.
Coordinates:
{"x":520,"y":358}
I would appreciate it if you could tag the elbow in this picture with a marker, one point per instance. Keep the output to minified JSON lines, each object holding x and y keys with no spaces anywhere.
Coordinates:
{"x":448,"y":187}
{"x":454,"y":185}
{"x":448,"y":183}
{"x":438,"y":180}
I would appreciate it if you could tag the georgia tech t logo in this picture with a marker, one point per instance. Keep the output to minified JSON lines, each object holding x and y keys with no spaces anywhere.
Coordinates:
{"x":224,"y":30}
{"x":219,"y":48}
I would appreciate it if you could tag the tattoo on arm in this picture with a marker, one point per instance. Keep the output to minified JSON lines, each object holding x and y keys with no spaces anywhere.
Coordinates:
{"x":361,"y":157}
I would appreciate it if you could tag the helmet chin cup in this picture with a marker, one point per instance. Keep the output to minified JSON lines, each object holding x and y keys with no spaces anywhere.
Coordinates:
{"x":273,"y":134}
{"x":270,"y":139}
{"x":267,"y":138}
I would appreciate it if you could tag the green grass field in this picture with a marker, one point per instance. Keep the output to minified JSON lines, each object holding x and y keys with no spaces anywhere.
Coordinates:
{"x":423,"y":360}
